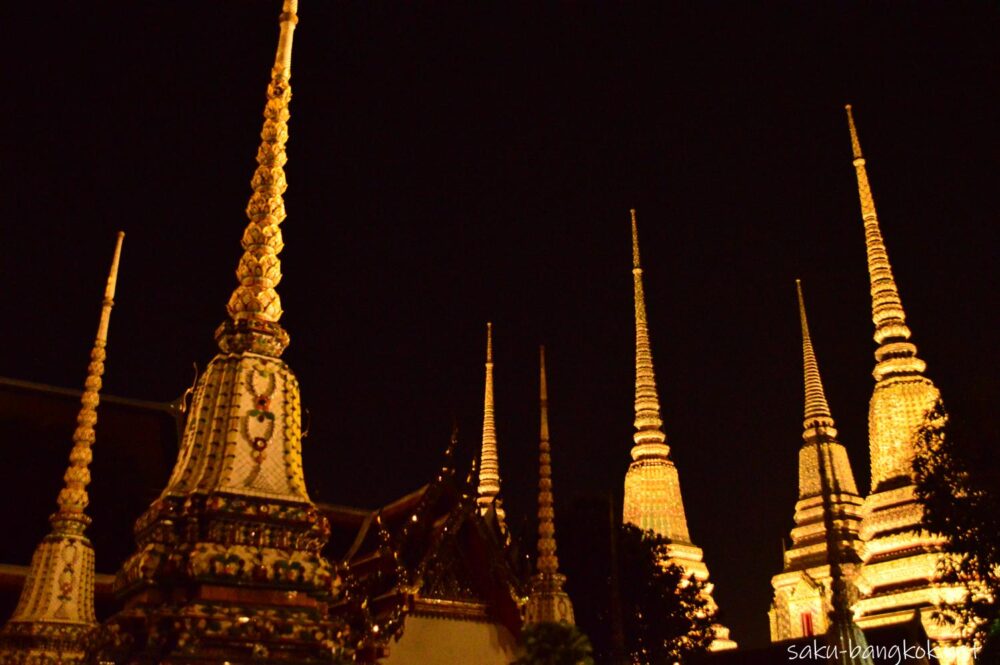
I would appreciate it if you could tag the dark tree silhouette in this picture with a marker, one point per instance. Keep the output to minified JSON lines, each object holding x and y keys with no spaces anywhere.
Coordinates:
{"x":958,"y":482}
{"x":554,"y":644}
{"x":666,"y":615}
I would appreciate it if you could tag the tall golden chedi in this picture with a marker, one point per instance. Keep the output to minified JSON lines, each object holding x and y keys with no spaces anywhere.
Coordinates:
{"x":652,"y":487}
{"x":803,"y":589}
{"x":228,"y":564}
{"x":899,"y":576}
{"x":547,"y":601}
{"x":55,"y":613}
{"x":489,"y":465}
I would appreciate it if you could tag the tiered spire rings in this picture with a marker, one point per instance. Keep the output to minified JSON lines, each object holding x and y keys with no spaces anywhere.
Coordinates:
{"x":73,"y":497}
{"x":56,"y":607}
{"x":547,"y":601}
{"x":843,"y":634}
{"x":652,"y":486}
{"x":901,"y":561}
{"x":649,"y":438}
{"x":238,"y":490}
{"x":255,"y":307}
{"x":895,"y":355}
{"x":902,"y":393}
{"x":489,"y":467}
{"x":817,"y":411}
{"x":548,"y":563}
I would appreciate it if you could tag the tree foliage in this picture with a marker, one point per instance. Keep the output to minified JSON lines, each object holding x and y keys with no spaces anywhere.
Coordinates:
{"x":958,"y":482}
{"x":666,"y":614}
{"x":554,"y":644}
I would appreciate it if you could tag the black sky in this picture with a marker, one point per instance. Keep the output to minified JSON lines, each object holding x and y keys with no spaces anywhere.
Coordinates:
{"x":453,"y":163}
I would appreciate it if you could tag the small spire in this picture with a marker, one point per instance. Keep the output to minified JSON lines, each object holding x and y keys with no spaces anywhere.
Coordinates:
{"x":73,"y":497}
{"x":649,"y":438}
{"x":489,"y":467}
{"x":548,"y":563}
{"x":896,"y":355}
{"x":255,"y":307}
{"x":547,"y":601}
{"x":55,"y":611}
{"x":817,"y":411}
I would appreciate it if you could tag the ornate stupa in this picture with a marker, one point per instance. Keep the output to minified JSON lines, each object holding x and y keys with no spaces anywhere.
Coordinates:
{"x":899,"y":576}
{"x":489,"y":466}
{"x":55,"y":613}
{"x":547,"y":601}
{"x":825,"y":539}
{"x":228,"y":565}
{"x":652,"y":487}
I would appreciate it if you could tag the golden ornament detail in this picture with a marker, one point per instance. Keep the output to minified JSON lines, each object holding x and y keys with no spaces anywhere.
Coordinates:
{"x":255,"y":307}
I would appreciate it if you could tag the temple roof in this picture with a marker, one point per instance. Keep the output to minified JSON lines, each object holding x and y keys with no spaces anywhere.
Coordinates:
{"x":429,"y":547}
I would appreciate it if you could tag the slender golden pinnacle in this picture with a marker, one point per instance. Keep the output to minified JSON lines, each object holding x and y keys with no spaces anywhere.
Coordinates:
{"x":255,"y":306}
{"x":489,"y":467}
{"x":635,"y":242}
{"x":817,"y":411}
{"x":855,"y":144}
{"x":55,"y":612}
{"x":548,"y":563}
{"x":73,"y":499}
{"x":547,"y":601}
{"x":649,"y":437}
{"x":895,"y":355}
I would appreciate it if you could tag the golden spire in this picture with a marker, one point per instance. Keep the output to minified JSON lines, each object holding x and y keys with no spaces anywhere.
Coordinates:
{"x":649,"y":438}
{"x":255,"y":307}
{"x":73,"y":497}
{"x":56,"y":607}
{"x":817,"y":411}
{"x":895,"y":355}
{"x":489,"y":466}
{"x":547,"y":601}
{"x":548,"y":563}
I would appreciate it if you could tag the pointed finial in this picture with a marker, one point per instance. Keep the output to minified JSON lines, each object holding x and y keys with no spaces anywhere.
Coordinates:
{"x":489,"y":342}
{"x":73,"y":499}
{"x":896,"y":355}
{"x":817,"y":411}
{"x":489,"y":466}
{"x":288,"y":19}
{"x":855,"y":144}
{"x":635,"y":242}
{"x":649,"y":437}
{"x":543,"y":393}
{"x":255,"y":307}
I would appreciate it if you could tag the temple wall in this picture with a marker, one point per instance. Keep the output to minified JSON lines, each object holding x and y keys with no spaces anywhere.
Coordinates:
{"x":441,"y":641}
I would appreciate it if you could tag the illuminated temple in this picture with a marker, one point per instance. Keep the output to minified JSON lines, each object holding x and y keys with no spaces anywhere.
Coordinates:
{"x":232,"y":561}
{"x":890,"y":563}
{"x":899,"y":579}
{"x":652,"y":487}
{"x":803,"y":589}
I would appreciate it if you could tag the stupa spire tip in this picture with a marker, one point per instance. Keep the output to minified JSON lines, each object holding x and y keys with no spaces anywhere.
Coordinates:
{"x":817,"y":410}
{"x":255,"y":307}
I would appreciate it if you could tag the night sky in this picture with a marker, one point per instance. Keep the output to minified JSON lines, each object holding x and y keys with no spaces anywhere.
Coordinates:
{"x":453,"y":163}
